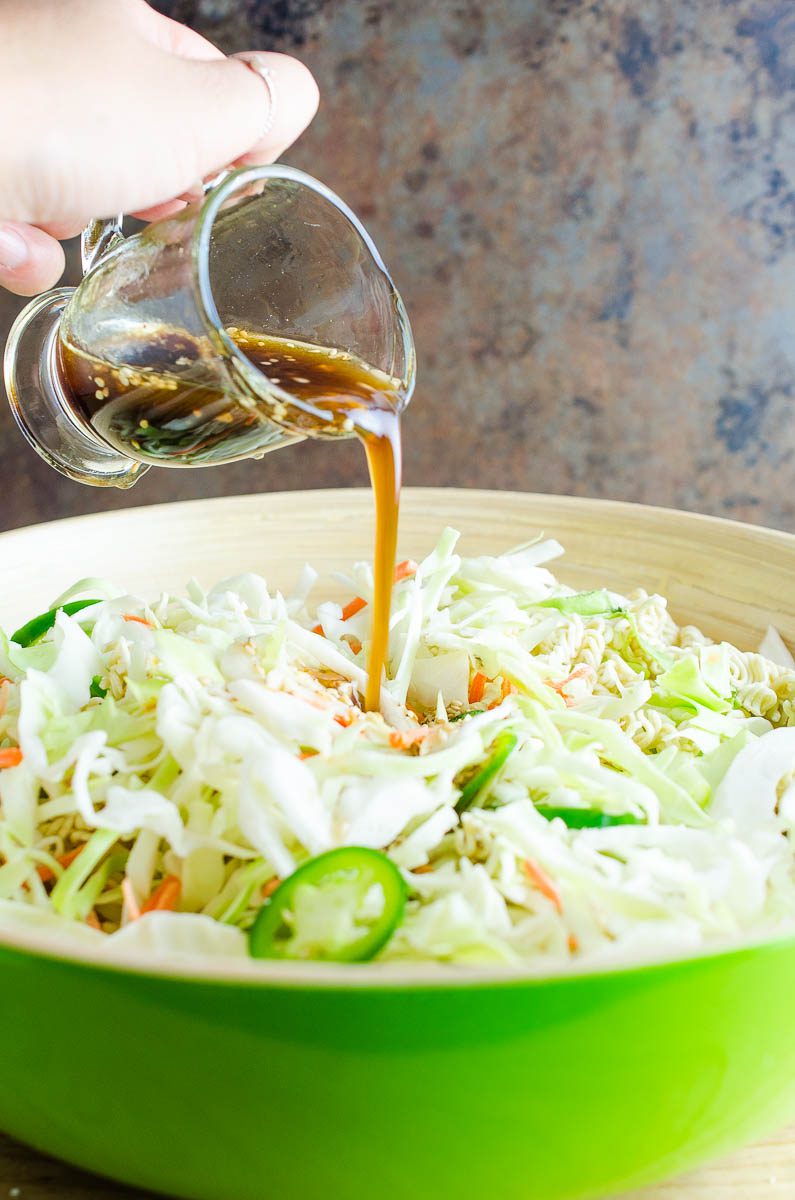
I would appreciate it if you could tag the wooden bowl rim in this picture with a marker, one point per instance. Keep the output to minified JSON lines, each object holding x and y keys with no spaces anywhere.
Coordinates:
{"x":588,"y":504}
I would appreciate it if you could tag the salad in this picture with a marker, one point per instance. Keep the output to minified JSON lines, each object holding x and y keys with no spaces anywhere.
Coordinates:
{"x":553,"y":776}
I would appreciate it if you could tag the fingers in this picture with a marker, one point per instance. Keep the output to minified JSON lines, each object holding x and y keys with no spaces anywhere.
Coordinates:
{"x":226,"y":108}
{"x":185,"y":119}
{"x":170,"y":36}
{"x":188,"y":112}
{"x":294,"y":90}
{"x":294,"y":97}
{"x":30,"y":260}
{"x":167,"y":209}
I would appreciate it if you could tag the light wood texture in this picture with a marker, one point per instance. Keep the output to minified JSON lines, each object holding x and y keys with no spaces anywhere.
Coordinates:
{"x":734,"y":579}
{"x":765,"y":1171}
{"x":731,"y":579}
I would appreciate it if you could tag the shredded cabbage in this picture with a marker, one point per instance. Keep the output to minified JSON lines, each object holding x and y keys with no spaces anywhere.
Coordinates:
{"x":163,"y":766}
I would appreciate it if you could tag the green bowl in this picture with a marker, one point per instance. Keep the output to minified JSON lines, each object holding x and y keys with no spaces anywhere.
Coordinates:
{"x":526,"y":1089}
{"x":244,"y":1080}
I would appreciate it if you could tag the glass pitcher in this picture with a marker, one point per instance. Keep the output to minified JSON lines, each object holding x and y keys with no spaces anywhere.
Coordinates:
{"x":159,"y":326}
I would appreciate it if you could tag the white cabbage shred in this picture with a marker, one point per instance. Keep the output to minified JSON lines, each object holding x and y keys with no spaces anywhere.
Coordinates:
{"x":204,"y":747}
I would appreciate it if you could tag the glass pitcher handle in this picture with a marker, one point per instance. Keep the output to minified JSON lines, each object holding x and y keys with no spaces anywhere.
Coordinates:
{"x":36,"y":394}
{"x":99,"y":237}
{"x":42,"y":408}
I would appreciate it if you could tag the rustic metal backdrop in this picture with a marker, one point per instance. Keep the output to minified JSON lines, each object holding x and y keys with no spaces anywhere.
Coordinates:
{"x":589,"y":206}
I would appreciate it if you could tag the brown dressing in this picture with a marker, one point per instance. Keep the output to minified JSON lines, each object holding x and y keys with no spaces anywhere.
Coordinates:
{"x":383,"y":450}
{"x":166,"y":407}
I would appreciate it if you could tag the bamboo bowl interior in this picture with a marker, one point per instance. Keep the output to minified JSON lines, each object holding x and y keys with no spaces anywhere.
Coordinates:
{"x":731,"y":579}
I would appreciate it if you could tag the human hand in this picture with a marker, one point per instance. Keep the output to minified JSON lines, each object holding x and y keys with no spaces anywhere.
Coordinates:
{"x":112,"y":107}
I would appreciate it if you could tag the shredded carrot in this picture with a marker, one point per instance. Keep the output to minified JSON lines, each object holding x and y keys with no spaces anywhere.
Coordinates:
{"x":130,"y":900}
{"x":67,"y":859}
{"x":477,"y":687}
{"x":573,"y":944}
{"x":356,"y":605}
{"x":93,"y":920}
{"x":402,"y":739}
{"x":138,"y":620}
{"x":405,"y":570}
{"x":165,"y":897}
{"x":558,"y":685}
{"x":354,"y":643}
{"x":539,"y":879}
{"x":270,"y":887}
{"x":318,"y":629}
{"x":45,"y":874}
{"x":11,"y":757}
{"x":307,"y":754}
{"x":344,"y":718}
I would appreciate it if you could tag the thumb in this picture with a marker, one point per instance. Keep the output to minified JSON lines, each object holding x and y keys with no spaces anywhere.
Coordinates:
{"x":30,"y":260}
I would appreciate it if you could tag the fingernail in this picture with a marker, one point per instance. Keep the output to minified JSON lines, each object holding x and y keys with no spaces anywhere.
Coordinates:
{"x":13,"y":249}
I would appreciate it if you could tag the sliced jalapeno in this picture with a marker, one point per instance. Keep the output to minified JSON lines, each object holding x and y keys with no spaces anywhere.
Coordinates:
{"x":36,"y":628}
{"x":587,"y":818}
{"x":342,"y":906}
{"x":504,"y":744}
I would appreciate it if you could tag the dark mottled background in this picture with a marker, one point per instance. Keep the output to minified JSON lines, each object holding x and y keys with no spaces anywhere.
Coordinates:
{"x":590,"y":211}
